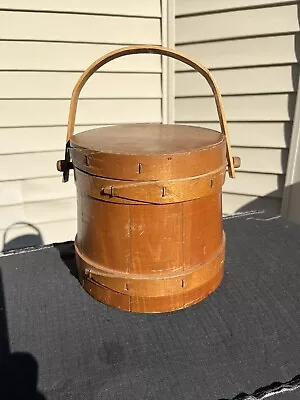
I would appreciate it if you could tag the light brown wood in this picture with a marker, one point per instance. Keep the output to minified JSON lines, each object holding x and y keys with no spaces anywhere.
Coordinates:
{"x":151,"y":286}
{"x":142,"y":164}
{"x":164,"y":192}
{"x":142,"y":252}
{"x":153,"y":304}
{"x":149,"y":206}
{"x":150,"y":192}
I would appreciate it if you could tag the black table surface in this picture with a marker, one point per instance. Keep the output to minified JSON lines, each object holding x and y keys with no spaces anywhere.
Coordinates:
{"x":59,"y":343}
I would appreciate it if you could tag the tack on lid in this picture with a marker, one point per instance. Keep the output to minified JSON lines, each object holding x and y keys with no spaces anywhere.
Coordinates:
{"x":148,"y":151}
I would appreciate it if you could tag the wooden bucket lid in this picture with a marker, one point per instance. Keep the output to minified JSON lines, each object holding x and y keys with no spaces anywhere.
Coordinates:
{"x":148,"y":151}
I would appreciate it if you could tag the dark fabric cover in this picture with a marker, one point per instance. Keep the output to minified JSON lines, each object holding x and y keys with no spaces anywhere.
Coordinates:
{"x":244,"y":336}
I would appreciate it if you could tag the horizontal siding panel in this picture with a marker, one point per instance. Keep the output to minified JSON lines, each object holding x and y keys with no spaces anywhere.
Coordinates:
{"x":56,"y":85}
{"x":256,"y":134}
{"x":51,"y":232}
{"x":279,"y":107}
{"x":147,"y":8}
{"x":34,"y":139}
{"x":281,"y":79}
{"x":70,"y":57}
{"x":10,"y":193}
{"x":26,"y":166}
{"x":78,"y":28}
{"x":242,"y":52}
{"x":55,"y":112}
{"x":264,"y":21}
{"x":33,"y":190}
{"x":262,"y":160}
{"x":52,"y":188}
{"x":39,"y":212}
{"x":233,"y":203}
{"x":255,"y":184}
{"x":195,"y":6}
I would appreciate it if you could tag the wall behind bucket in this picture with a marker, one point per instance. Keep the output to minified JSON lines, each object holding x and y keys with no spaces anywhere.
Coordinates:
{"x":252,"y":49}
{"x":44,"y":48}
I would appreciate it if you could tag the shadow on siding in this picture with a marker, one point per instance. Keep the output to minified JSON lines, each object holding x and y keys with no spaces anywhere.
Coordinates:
{"x":28,"y":240}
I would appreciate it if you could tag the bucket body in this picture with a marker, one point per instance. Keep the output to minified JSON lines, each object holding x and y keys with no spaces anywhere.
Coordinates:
{"x":149,"y":234}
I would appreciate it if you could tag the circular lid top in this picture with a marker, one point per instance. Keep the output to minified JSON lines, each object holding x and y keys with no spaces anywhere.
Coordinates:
{"x":147,"y":139}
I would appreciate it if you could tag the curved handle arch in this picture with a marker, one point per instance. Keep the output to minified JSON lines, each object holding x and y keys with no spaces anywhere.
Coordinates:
{"x":151,"y":49}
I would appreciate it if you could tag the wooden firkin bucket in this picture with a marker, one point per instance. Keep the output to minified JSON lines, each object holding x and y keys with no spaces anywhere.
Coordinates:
{"x":149,"y":205}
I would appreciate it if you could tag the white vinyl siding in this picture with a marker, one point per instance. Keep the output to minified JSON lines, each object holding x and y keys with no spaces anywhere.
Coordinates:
{"x":44,"y":48}
{"x":190,"y":7}
{"x":252,"y":49}
{"x":96,"y":111}
{"x":145,"y":8}
{"x":82,"y":28}
{"x":52,"y":56}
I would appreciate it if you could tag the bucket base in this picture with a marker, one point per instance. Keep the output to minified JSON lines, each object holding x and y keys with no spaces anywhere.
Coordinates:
{"x":151,"y":294}
{"x":151,"y":304}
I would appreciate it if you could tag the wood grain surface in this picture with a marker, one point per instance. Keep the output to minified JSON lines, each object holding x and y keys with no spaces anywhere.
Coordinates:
{"x":152,"y":239}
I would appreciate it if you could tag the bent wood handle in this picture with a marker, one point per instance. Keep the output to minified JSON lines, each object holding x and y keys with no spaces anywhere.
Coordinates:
{"x":64,"y":166}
